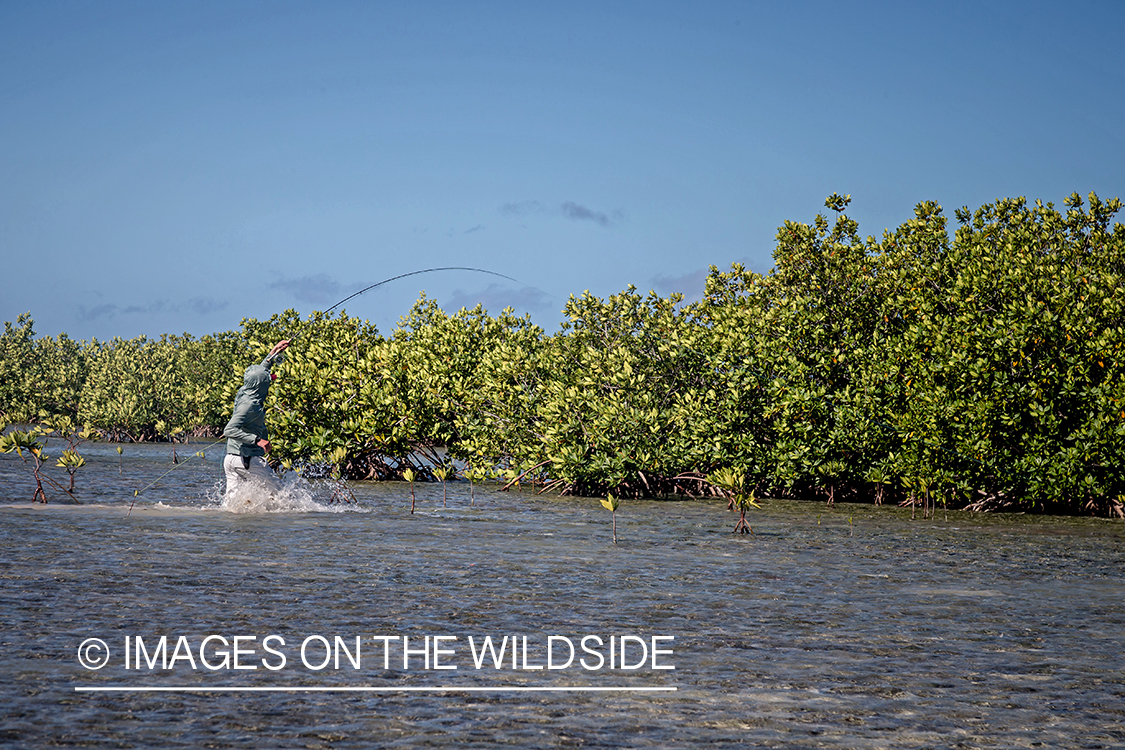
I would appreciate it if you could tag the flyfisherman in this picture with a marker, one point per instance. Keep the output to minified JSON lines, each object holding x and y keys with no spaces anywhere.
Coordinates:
{"x":246,"y":433}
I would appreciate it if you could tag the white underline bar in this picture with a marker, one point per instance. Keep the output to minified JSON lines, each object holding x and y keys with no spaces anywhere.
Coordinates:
{"x":373,"y":689}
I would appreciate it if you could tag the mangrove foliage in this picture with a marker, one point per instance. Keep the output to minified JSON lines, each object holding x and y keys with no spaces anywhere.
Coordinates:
{"x":980,"y":367}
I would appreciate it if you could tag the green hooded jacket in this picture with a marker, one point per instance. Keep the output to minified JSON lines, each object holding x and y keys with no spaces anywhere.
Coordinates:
{"x":247,"y":424}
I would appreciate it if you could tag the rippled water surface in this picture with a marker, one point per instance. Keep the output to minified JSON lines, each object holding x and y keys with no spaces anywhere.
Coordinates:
{"x":881,"y":632}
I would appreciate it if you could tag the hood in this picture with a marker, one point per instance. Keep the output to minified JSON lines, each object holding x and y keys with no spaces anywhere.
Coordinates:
{"x":255,"y":384}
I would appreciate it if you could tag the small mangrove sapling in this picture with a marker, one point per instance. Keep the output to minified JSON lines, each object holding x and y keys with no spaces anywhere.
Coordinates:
{"x":408,"y":475}
{"x":732,"y":483}
{"x":71,"y":459}
{"x":474,"y":474}
{"x":744,"y":503}
{"x":20,"y":440}
{"x":611,"y":504}
{"x":443,"y":472}
{"x":72,"y":462}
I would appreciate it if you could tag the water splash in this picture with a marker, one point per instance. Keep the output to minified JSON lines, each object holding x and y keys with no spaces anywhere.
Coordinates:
{"x":295,"y":495}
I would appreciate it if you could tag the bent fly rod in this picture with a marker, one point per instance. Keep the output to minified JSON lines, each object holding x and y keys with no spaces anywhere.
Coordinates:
{"x":428,"y":270}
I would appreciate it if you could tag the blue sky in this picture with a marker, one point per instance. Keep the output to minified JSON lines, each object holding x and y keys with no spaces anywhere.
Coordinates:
{"x":175,"y":167}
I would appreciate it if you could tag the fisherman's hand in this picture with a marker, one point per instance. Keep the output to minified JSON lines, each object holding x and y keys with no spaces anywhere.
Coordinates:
{"x":279,"y":347}
{"x":265,"y":445}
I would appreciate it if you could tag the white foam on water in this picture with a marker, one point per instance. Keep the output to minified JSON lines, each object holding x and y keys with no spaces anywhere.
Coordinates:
{"x":295,"y":495}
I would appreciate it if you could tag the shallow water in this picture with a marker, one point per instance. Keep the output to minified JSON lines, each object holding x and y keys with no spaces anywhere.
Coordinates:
{"x":1001,"y":631}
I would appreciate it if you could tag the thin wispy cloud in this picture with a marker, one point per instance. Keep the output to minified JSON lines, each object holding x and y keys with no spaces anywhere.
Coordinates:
{"x":200,"y":306}
{"x":577,"y":212}
{"x":320,"y":289}
{"x":691,"y":285}
{"x":495,"y":297}
{"x":98,"y":311}
{"x":205,"y":305}
{"x":521,"y":208}
{"x":568,"y":210}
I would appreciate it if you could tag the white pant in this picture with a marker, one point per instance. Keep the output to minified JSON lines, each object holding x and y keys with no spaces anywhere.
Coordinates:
{"x":259,"y":474}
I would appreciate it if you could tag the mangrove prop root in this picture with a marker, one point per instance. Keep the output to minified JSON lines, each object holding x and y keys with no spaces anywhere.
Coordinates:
{"x":743,"y":527}
{"x":521,"y":476}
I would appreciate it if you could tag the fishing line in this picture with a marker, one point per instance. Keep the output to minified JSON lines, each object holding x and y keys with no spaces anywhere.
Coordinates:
{"x":197,"y":454}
